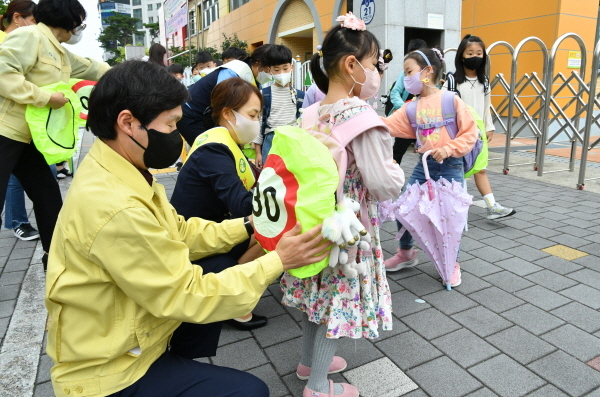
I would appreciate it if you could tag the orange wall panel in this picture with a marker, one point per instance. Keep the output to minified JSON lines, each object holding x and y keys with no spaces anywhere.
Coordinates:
{"x":488,"y":12}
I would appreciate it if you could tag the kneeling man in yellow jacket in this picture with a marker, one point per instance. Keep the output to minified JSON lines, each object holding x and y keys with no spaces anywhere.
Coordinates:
{"x":120,"y":280}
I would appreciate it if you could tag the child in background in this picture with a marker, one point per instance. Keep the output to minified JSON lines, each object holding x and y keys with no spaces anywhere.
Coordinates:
{"x":423,"y":69}
{"x":177,"y":71}
{"x":473,"y":87}
{"x":334,"y":304}
{"x":282,"y":101}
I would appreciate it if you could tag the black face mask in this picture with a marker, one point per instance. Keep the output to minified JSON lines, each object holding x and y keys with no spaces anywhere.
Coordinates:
{"x":472,"y":63}
{"x":163,"y":149}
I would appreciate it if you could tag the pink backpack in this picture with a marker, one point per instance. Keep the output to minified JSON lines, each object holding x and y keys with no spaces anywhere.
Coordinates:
{"x":336,"y":138}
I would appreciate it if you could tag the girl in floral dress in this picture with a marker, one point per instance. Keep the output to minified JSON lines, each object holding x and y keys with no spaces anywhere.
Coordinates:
{"x":335,"y":305}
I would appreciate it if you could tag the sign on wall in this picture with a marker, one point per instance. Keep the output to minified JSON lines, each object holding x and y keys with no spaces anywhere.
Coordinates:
{"x":574,"y":61}
{"x":176,"y":15}
{"x":435,"y":21}
{"x":367,"y":10}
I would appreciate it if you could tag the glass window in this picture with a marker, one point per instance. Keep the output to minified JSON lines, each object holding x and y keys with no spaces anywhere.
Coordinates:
{"x":149,"y":7}
{"x":158,"y":6}
{"x":150,"y":19}
{"x":137,"y":13}
{"x":137,"y":2}
{"x":233,"y":4}
{"x":211,"y":12}
{"x":192,"y":23}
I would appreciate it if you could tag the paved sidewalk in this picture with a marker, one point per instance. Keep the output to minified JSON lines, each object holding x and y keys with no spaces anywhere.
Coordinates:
{"x":525,"y":321}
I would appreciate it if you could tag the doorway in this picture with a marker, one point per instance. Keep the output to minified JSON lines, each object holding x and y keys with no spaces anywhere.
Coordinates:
{"x":432,"y":37}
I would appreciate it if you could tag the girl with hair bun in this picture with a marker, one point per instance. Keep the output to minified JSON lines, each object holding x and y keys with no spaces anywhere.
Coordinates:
{"x":335,"y":304}
{"x":423,"y":69}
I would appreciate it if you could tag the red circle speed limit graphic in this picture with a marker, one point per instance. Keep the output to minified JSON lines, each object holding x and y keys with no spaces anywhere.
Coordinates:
{"x":273,"y":206}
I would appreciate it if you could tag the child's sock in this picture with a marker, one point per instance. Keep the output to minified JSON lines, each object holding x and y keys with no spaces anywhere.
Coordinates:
{"x":309,"y":329}
{"x":489,"y":200}
{"x":323,"y":352}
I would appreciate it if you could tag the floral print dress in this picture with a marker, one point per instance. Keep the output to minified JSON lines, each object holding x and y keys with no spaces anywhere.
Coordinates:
{"x":350,"y":307}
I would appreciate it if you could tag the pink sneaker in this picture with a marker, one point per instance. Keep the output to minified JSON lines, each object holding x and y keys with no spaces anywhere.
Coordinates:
{"x":338,"y":364}
{"x":455,"y":280}
{"x":402,"y":260}
{"x":349,"y":391}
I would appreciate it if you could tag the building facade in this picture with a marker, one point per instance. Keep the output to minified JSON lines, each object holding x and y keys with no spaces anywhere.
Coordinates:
{"x":147,"y":12}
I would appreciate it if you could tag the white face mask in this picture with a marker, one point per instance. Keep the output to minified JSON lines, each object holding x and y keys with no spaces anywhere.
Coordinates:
{"x":246,"y":130}
{"x":75,"y":37}
{"x":283,"y":79}
{"x":263,"y":77}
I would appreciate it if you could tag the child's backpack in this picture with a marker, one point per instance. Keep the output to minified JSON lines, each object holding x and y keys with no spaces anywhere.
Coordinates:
{"x":474,"y":161}
{"x":303,"y":177}
{"x":297,"y":99}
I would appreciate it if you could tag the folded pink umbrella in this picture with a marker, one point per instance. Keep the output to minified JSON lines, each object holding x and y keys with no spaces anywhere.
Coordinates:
{"x":435,"y":213}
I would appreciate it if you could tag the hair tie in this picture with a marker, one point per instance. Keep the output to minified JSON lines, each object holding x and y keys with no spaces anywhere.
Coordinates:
{"x":439,"y":54}
{"x":351,"y":21}
{"x":320,"y":50}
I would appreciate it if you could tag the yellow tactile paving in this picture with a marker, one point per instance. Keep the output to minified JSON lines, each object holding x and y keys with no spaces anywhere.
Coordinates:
{"x":562,"y":251}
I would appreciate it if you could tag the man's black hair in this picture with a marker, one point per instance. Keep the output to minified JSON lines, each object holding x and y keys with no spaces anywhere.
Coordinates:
{"x":141,"y":87}
{"x":66,"y":14}
{"x":234,"y":53}
{"x":218,"y":62}
{"x":204,"y":56}
{"x":278,"y":55}
{"x":176,"y":68}
{"x":416,"y":44}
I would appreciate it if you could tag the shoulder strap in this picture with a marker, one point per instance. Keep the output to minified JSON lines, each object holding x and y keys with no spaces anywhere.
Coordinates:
{"x":451,"y":80}
{"x":449,"y":113}
{"x":486,"y":84}
{"x":299,"y":101}
{"x":411,"y":113}
{"x":266,"y":93}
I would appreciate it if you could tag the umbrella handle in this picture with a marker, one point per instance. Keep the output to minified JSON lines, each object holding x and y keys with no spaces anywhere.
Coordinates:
{"x":427,"y":177}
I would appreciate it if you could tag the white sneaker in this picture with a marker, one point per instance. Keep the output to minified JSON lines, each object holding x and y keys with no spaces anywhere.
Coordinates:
{"x":498,"y":211}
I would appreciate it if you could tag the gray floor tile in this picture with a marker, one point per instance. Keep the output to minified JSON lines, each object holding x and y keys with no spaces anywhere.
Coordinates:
{"x":521,"y":345}
{"x":43,"y":390}
{"x":380,"y":378}
{"x":403,"y":304}
{"x":547,"y":391}
{"x":442,"y":377}
{"x":575,"y":231}
{"x":279,"y":329}
{"x":584,"y":294}
{"x":537,"y":242}
{"x":478,"y":234}
{"x":16,"y":265}
{"x":471,"y":283}
{"x":404,"y":273}
{"x":416,"y":393}
{"x":587,"y":276}
{"x":357,"y":352}
{"x":511,"y":233}
{"x":481,"y":321}
{"x":490,"y":254}
{"x":295,"y":385}
{"x":22,"y":253}
{"x":551,"y":280}
{"x":495,"y":299}
{"x":468,"y":244}
{"x":8,"y":292}
{"x":574,"y":341}
{"x":518,"y":266}
{"x":488,"y":225}
{"x":45,"y":364}
{"x":499,"y":242}
{"x":569,"y":240}
{"x":285,"y":356}
{"x":421,"y":323}
{"x":453,"y":345}
{"x":567,"y":373}
{"x":449,"y":303}
{"x":6,"y":308}
{"x":420,"y":285}
{"x":593,"y":249}
{"x":579,"y":315}
{"x":479,"y":267}
{"x":408,"y":350}
{"x":508,"y":281}
{"x":4,"y":326}
{"x":542,"y":232}
{"x":231,"y":335}
{"x":276,"y":387}
{"x":12,"y":278}
{"x":269,"y":306}
{"x":506,"y":377}
{"x":398,"y":327}
{"x":242,"y":355}
{"x":589,"y":261}
{"x":482,"y":393}
{"x":549,"y":223}
{"x":527,"y":253}
{"x":542,"y":298}
{"x":533,"y":319}
{"x":558,"y":265}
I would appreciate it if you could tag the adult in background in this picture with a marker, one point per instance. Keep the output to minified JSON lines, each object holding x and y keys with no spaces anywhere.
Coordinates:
{"x":18,"y":13}
{"x":251,"y":69}
{"x":233,"y":53}
{"x":22,"y":73}
{"x":120,"y":280}
{"x":158,"y":55}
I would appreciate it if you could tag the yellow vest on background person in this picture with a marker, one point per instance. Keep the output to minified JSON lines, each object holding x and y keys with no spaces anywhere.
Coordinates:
{"x":221,"y":135}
